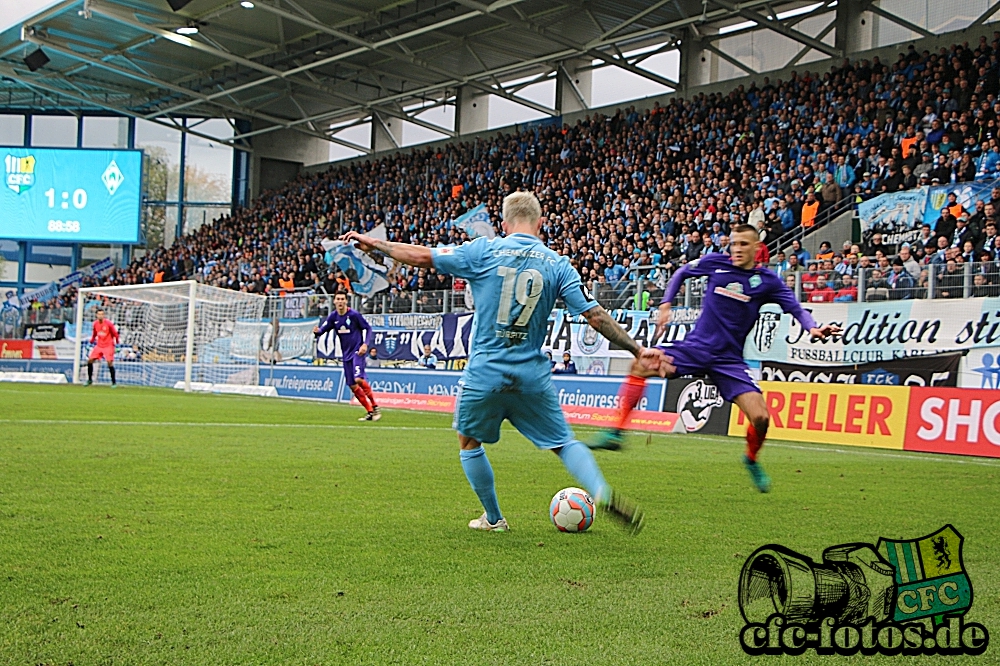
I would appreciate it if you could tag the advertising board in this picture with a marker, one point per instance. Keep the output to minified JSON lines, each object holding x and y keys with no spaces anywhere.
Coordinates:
{"x":956,"y":421}
{"x":855,"y":415}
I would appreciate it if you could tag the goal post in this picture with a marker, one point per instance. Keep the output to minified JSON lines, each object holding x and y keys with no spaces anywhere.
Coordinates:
{"x":176,"y":332}
{"x":189,"y":343}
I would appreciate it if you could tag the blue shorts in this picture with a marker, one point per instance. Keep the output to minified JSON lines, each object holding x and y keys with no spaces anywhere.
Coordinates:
{"x":731,"y":375}
{"x":354,"y":369}
{"x":537,"y":416}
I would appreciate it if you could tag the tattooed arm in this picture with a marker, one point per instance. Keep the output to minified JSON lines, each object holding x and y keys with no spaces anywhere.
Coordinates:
{"x":601,"y":321}
{"x":651,"y":359}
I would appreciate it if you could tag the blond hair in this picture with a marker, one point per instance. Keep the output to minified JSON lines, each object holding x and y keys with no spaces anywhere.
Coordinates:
{"x":521,"y":207}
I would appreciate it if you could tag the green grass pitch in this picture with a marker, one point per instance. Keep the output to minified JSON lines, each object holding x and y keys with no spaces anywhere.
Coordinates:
{"x":186,"y":529}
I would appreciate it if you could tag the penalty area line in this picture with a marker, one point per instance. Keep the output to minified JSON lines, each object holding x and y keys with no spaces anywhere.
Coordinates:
{"x":188,"y":424}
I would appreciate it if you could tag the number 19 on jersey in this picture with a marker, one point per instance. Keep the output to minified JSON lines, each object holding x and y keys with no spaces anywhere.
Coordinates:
{"x":525,"y":287}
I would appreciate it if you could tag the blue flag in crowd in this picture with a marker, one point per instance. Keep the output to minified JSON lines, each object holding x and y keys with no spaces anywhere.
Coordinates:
{"x":476,"y":223}
{"x":366,"y":273}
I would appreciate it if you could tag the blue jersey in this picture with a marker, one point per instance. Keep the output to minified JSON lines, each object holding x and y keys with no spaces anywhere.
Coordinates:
{"x":515,"y":283}
{"x":352,"y":329}
{"x":733,"y":298}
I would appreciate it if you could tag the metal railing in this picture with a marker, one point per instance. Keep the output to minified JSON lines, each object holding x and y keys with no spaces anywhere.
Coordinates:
{"x":799,"y":232}
{"x":312,"y":305}
{"x":298,"y":306}
{"x":871,"y":284}
{"x":16,"y":327}
{"x":47,"y":315}
{"x":636,"y":290}
{"x":888,"y":283}
{"x":424,"y":301}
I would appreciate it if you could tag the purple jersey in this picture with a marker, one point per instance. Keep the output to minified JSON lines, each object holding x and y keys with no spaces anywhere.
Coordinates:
{"x":352,"y":329}
{"x":733,"y":298}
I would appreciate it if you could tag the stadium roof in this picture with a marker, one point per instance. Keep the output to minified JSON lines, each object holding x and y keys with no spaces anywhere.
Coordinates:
{"x":305,"y":64}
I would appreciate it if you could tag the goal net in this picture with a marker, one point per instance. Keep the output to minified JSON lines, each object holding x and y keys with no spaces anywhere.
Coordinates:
{"x":175,"y":332}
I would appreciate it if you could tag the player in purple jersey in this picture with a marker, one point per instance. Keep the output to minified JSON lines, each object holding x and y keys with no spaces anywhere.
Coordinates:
{"x":355,"y":335}
{"x":735,"y":292}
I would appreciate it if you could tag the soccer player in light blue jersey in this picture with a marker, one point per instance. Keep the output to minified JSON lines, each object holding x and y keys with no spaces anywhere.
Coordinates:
{"x":515,"y":283}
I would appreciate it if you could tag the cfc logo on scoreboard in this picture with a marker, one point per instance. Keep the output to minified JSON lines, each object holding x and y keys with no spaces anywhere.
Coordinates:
{"x":20,"y":172}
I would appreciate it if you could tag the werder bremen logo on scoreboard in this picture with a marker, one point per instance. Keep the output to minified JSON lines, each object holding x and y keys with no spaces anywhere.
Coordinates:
{"x":112,"y":178}
{"x":930,"y":575}
{"x":20,"y":172}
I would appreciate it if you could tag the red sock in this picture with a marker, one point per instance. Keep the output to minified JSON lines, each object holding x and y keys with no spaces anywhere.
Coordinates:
{"x":367,"y":388}
{"x":629,"y":396}
{"x":754,"y":442}
{"x":360,"y":395}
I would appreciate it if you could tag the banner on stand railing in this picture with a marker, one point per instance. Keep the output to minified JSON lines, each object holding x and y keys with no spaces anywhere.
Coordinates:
{"x":45,"y":332}
{"x":97,"y":269}
{"x":966,"y":194}
{"x":52,"y":289}
{"x":875,"y":332}
{"x":451,"y":337}
{"x":42,"y":294}
{"x":402,"y":338}
{"x":936,"y":370}
{"x":575,"y":335}
{"x":898,"y":216}
{"x":295,"y":306}
{"x":448,"y":342}
{"x":409,"y":321}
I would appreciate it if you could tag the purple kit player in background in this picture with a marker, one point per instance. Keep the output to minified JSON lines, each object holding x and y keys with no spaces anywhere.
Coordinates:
{"x":734,"y":294}
{"x":355,"y":335}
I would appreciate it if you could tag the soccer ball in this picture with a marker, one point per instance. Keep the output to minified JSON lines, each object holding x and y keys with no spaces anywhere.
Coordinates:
{"x":572,"y":510}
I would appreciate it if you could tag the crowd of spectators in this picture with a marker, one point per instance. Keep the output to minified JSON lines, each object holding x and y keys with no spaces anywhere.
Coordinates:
{"x":939,"y":254}
{"x":657,"y":187}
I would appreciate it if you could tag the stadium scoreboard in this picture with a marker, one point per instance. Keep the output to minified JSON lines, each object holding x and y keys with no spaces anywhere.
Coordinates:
{"x":71,"y":195}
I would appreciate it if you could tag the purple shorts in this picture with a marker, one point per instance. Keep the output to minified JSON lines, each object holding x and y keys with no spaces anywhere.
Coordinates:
{"x":731,"y":375}
{"x":354,"y":369}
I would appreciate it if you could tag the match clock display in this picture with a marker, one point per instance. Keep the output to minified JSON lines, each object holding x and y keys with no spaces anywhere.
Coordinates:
{"x":73,"y":196}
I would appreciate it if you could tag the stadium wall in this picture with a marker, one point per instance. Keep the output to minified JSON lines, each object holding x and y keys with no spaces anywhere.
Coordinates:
{"x":836,"y":232}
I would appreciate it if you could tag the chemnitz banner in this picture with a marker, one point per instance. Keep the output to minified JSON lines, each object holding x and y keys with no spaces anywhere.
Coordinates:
{"x":448,"y":342}
{"x":450,"y":334}
{"x":877,"y":332}
{"x":899,"y":215}
{"x":575,"y":335}
{"x":937,"y":370}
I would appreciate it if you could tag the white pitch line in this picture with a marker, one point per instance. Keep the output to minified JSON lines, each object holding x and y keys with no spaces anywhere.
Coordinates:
{"x":912,"y":456}
{"x":915,"y":455}
{"x":330,"y":426}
